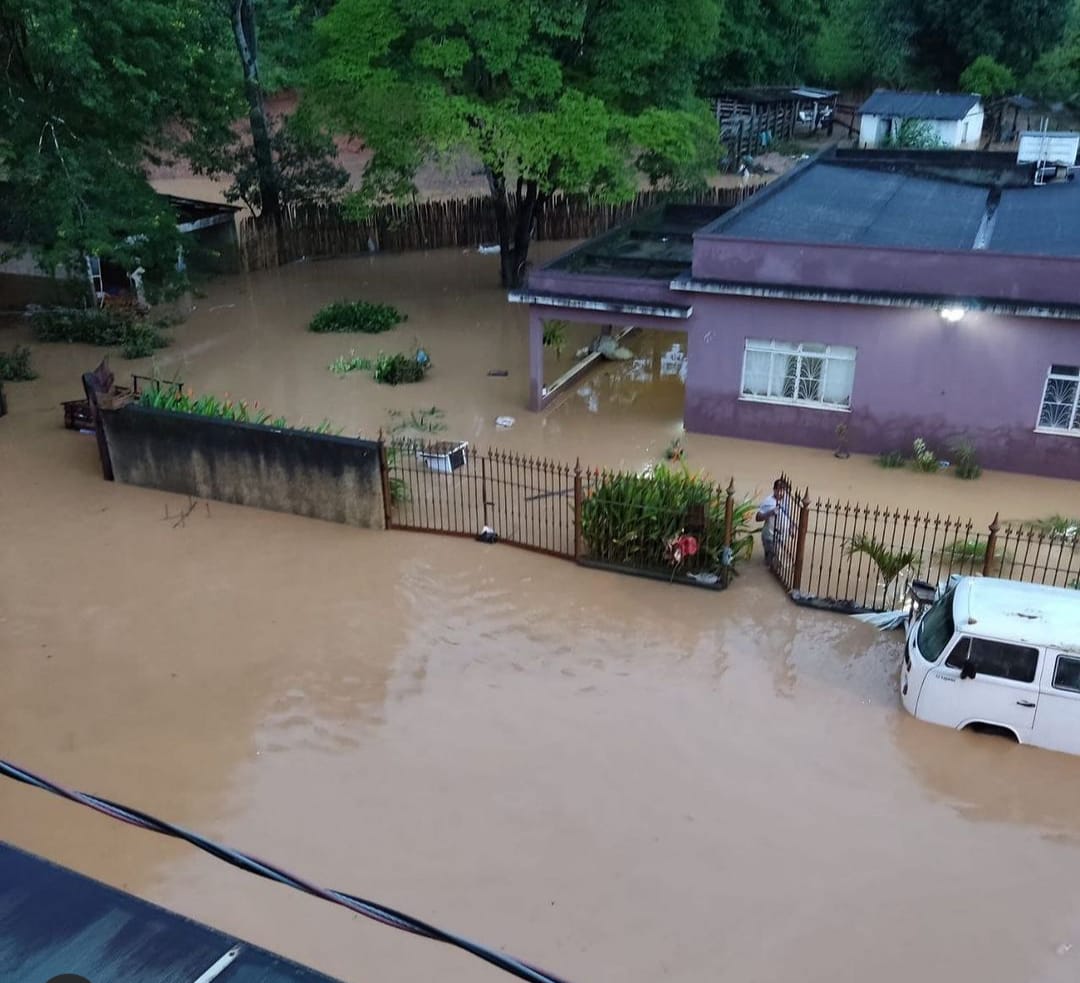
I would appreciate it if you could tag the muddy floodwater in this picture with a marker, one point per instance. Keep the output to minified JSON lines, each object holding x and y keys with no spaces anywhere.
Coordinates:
{"x":616,"y":779}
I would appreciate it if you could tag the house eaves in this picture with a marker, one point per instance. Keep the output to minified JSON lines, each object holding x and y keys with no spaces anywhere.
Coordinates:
{"x":826,"y":295}
{"x":603,"y":304}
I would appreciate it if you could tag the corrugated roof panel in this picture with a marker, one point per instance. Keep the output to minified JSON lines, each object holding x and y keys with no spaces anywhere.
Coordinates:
{"x":1043,"y":221}
{"x":55,"y":921}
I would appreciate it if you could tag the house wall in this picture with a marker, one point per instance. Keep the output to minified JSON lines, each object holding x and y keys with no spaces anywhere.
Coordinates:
{"x":915,"y":375}
{"x":874,"y":129}
{"x":974,"y":120}
{"x":871,"y":131}
{"x":995,"y":276}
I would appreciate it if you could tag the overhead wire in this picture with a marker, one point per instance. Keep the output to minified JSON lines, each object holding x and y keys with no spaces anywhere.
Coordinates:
{"x":253,"y":865}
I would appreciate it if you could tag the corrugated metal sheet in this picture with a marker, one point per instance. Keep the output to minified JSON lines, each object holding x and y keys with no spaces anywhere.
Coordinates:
{"x":919,"y":105}
{"x":1041,"y":221}
{"x":54,"y":921}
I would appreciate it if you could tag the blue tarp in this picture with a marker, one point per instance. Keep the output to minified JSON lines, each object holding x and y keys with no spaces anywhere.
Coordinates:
{"x":54,"y":921}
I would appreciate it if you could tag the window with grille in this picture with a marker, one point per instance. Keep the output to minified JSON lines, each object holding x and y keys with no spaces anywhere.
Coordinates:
{"x":1061,"y":400}
{"x":803,"y":373}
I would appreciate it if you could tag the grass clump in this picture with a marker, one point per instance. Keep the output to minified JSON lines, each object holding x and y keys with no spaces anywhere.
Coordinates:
{"x":892,"y":459}
{"x":357,"y":315}
{"x":135,"y":337}
{"x":422,"y":421}
{"x":344,"y":364}
{"x":15,"y":365}
{"x":967,"y":465}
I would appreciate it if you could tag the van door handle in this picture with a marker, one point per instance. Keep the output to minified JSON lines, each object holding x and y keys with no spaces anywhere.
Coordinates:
{"x":1024,"y":703}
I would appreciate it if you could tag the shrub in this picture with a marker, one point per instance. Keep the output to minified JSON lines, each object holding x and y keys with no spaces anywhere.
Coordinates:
{"x":893,"y":459}
{"x":966,"y":464}
{"x":890,"y":563}
{"x":923,"y":459}
{"x":400,"y":368}
{"x":15,"y":365}
{"x":357,"y":315}
{"x":632,"y":520}
{"x":106,"y":329}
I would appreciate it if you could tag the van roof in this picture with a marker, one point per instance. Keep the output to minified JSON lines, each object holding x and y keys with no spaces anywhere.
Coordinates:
{"x":1048,"y":617}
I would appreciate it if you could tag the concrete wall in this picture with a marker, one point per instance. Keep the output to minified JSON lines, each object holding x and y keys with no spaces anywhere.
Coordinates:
{"x":324,"y":477}
{"x":915,"y":375}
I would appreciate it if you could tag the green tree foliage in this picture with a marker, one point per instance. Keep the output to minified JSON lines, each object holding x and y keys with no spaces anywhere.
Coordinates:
{"x":88,"y":88}
{"x":915,"y":134}
{"x":548,"y":94}
{"x":863,"y":43}
{"x":988,"y":78}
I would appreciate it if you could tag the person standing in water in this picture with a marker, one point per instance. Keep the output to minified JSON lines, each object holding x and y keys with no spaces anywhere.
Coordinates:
{"x":773,"y":511}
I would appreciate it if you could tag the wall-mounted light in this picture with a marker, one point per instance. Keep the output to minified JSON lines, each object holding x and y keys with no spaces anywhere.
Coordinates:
{"x":953,"y":313}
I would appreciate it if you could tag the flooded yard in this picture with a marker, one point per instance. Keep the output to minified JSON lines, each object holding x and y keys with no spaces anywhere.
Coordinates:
{"x":616,"y":779}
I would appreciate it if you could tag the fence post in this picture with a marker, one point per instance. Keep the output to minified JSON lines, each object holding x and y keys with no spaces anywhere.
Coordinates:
{"x":729,"y":514}
{"x":800,"y":541}
{"x":384,"y":475}
{"x":991,"y":545}
{"x":577,"y":509}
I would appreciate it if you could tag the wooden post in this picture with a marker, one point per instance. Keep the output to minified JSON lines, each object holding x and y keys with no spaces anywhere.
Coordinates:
{"x":384,"y":474}
{"x":578,"y":497}
{"x":991,"y":545}
{"x":800,"y":541}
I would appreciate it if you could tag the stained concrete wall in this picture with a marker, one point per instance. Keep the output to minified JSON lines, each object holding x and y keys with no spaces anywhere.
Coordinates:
{"x":315,"y":475}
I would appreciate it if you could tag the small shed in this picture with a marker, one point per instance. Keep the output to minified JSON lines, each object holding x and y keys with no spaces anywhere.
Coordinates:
{"x":750,"y":119}
{"x":955,"y":118}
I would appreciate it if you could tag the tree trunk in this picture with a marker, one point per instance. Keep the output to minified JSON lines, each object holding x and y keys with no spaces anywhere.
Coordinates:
{"x":514,"y":219}
{"x":243,"y":25}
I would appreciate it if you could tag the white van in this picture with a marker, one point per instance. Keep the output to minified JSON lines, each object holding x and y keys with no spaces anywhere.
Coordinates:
{"x":1001,"y":656}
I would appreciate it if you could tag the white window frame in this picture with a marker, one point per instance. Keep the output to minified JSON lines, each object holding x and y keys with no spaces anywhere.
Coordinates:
{"x":1073,"y":430}
{"x":776,"y":348}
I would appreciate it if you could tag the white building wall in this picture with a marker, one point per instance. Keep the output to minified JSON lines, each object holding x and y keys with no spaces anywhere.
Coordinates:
{"x":974,"y":122}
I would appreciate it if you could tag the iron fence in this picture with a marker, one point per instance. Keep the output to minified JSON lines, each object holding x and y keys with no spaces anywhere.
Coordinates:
{"x":862,"y":557}
{"x":449,"y":487}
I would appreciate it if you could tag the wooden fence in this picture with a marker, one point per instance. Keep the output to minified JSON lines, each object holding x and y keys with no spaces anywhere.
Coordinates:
{"x":861,"y":557}
{"x":322,"y":231}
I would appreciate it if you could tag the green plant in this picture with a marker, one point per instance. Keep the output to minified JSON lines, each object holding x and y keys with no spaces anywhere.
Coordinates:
{"x":973,"y":550}
{"x":424,"y":421}
{"x":890,"y":563}
{"x":135,"y":337}
{"x":400,"y":368}
{"x":632,"y":520}
{"x":892,"y":459}
{"x":15,"y":365}
{"x":555,"y":336}
{"x":344,"y":364}
{"x":177,"y":399}
{"x":674,"y":451}
{"x":357,"y":315}
{"x":923,"y":459}
{"x":1055,"y":525}
{"x":915,"y":134}
{"x":965,"y":461}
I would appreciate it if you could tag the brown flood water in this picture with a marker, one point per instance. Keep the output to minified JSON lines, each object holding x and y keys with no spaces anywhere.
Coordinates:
{"x":616,"y":779}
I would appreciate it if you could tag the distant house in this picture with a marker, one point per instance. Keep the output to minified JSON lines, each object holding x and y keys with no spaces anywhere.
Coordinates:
{"x":900,"y":294}
{"x":955,"y":119}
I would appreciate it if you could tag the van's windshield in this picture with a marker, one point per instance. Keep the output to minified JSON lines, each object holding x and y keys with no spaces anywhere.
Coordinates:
{"x":936,"y":628}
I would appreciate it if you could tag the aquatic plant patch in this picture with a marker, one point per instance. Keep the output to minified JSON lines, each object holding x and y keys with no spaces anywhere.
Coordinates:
{"x":357,"y":315}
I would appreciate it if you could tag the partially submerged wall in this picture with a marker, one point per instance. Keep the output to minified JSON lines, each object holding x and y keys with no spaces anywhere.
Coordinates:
{"x":315,"y":475}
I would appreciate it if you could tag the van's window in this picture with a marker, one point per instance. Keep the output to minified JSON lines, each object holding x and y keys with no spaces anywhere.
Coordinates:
{"x":936,"y":628}
{"x":1067,"y":674}
{"x":1015,"y":662}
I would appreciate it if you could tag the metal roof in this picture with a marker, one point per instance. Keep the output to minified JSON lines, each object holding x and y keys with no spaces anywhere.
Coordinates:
{"x":919,"y":105}
{"x":54,"y":921}
{"x":1013,"y":611}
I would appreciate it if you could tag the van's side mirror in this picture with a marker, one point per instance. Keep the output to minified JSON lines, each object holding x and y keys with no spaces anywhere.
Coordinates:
{"x":967,"y":669}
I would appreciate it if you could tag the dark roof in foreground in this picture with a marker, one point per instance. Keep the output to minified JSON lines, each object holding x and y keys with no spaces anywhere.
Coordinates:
{"x":54,"y":921}
{"x":933,"y":200}
{"x":919,"y":105}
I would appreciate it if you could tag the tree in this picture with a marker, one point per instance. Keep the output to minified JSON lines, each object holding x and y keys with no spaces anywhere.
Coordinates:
{"x":1055,"y":77}
{"x":863,"y":43}
{"x":548,"y":94}
{"x":986,"y":77}
{"x":89,"y":85}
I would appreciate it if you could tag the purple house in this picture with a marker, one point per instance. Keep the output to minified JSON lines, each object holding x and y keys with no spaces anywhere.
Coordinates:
{"x":901,"y":294}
